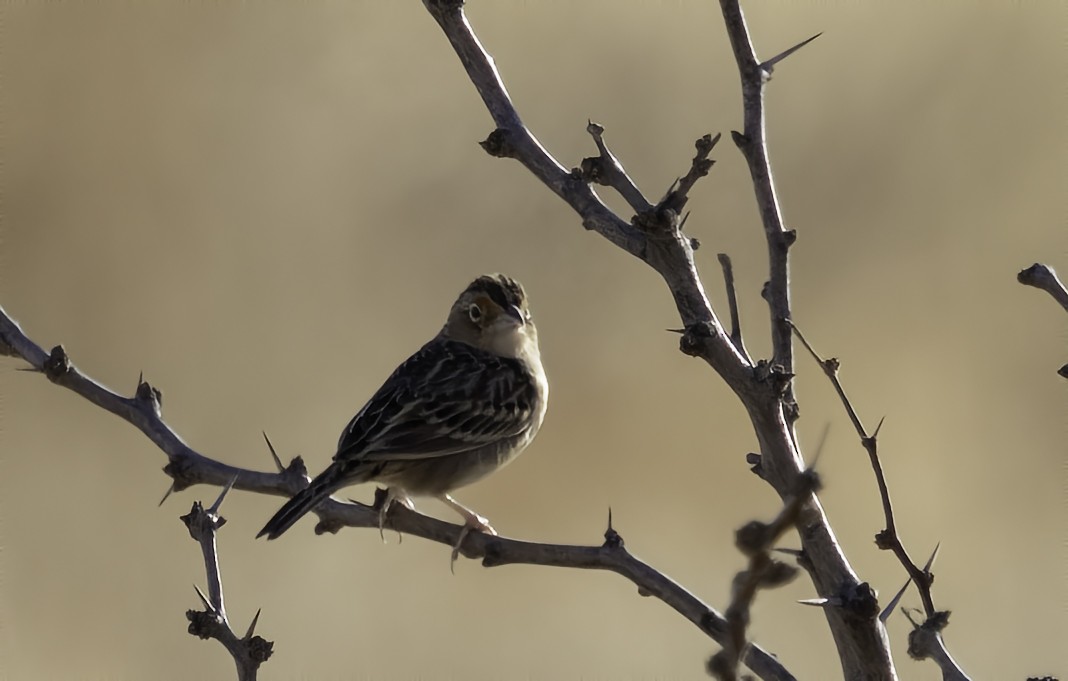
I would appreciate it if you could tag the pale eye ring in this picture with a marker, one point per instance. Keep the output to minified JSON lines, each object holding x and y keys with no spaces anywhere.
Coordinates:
{"x":475,"y":313}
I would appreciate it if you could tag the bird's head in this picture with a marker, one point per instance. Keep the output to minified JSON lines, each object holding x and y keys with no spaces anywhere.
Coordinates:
{"x":492,"y":313}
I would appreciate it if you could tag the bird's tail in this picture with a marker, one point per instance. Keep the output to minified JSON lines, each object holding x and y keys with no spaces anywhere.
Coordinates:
{"x":324,"y":484}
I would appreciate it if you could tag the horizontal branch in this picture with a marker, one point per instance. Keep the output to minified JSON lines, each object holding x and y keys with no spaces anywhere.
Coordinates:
{"x":188,"y":467}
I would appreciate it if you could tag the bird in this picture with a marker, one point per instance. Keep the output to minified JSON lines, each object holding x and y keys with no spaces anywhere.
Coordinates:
{"x":464,"y":405}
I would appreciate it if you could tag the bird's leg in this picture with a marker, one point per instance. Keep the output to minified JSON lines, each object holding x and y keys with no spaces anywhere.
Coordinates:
{"x":392,"y":494}
{"x":472,"y":521}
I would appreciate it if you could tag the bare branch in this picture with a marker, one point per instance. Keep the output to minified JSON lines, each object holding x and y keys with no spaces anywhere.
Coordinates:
{"x":732,"y":303}
{"x":765,"y":388}
{"x":752,"y":142}
{"x":194,"y":467}
{"x":605,"y":169}
{"x":677,"y":196}
{"x":1043,"y":277}
{"x":888,"y":538}
{"x":186,"y":466}
{"x":249,"y":651}
{"x":655,"y":237}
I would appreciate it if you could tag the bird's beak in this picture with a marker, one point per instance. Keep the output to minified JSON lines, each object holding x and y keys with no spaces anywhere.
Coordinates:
{"x":516,"y":314}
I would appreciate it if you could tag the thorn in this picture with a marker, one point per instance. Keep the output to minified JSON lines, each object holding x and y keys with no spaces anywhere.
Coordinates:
{"x":252,"y":627}
{"x":214,"y":510}
{"x":816,"y":602}
{"x":878,"y":428}
{"x":204,"y":599}
{"x":931,"y":560}
{"x":823,"y":441}
{"x":167,"y":494}
{"x":670,"y":190}
{"x":682,"y":223}
{"x":675,"y":330}
{"x":889,"y":609}
{"x":274,"y":454}
{"x":140,"y":378}
{"x":769,"y":65}
{"x":796,"y":553}
{"x":612,"y":539}
{"x":906,"y":613}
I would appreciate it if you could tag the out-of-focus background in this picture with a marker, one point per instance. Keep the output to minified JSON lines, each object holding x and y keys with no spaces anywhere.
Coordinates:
{"x":265,"y":207}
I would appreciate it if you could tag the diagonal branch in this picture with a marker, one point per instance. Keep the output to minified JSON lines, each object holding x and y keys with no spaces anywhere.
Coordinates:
{"x":655,"y":237}
{"x":763,"y":388}
{"x":605,"y":169}
{"x":188,"y":467}
{"x":889,"y":539}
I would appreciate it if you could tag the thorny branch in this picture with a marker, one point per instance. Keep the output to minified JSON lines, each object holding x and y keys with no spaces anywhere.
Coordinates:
{"x":889,"y":538}
{"x":188,"y":467}
{"x":1043,"y":277}
{"x":248,"y":651}
{"x":655,"y":236}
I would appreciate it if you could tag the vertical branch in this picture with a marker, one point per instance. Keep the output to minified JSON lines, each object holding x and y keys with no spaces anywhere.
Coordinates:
{"x":752,"y":142}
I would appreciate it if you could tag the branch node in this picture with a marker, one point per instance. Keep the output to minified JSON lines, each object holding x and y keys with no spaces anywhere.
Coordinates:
{"x":612,"y":539}
{"x":861,"y":601}
{"x":695,"y":243}
{"x":491,"y":556}
{"x":756,"y":464}
{"x":147,"y":394}
{"x":693,"y":338}
{"x":183,"y":471}
{"x":499,"y":142}
{"x":592,"y":170}
{"x":57,"y":365}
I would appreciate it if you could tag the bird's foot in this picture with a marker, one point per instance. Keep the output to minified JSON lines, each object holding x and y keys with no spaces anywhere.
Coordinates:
{"x":399,"y":496}
{"x":472,"y":521}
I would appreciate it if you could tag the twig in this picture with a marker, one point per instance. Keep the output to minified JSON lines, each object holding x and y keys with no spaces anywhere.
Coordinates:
{"x":732,"y":303}
{"x":888,"y":538}
{"x":605,"y":169}
{"x":248,"y":651}
{"x":756,"y":540}
{"x":1043,"y":277}
{"x":679,"y":193}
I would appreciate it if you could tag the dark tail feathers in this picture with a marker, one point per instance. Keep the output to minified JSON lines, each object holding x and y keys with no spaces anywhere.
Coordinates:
{"x":320,"y":488}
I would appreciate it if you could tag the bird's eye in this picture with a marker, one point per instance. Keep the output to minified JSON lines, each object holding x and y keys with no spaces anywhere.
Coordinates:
{"x":475,"y":313}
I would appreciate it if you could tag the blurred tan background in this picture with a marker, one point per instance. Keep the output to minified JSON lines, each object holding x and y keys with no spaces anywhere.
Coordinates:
{"x":266,"y":207}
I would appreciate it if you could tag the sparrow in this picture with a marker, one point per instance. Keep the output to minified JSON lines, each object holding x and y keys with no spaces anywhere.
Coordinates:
{"x":464,"y":405}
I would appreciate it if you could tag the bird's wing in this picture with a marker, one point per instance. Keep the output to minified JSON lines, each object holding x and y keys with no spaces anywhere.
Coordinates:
{"x":447,"y":398}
